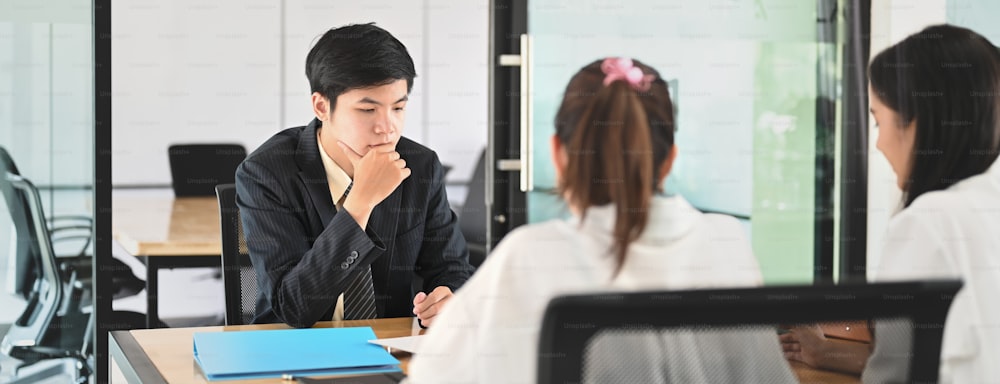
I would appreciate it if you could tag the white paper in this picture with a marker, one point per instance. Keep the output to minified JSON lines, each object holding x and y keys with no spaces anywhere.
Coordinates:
{"x":407,"y":343}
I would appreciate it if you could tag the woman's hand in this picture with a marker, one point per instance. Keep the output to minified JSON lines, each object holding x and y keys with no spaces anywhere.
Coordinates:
{"x":805,"y":343}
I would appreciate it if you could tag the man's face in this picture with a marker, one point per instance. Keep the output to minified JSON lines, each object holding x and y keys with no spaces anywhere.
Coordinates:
{"x":366,"y":117}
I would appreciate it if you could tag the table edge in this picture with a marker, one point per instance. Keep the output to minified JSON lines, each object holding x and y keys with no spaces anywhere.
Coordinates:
{"x":135,"y":365}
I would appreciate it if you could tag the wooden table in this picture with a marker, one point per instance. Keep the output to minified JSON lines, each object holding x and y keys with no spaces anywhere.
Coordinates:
{"x":166,"y":355}
{"x":807,"y":374}
{"x":166,"y":232}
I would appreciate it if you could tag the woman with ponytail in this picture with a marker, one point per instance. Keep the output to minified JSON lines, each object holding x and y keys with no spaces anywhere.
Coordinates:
{"x":612,"y":150}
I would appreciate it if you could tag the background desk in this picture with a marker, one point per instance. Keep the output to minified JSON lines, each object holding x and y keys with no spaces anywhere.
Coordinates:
{"x":166,"y":355}
{"x":166,"y":232}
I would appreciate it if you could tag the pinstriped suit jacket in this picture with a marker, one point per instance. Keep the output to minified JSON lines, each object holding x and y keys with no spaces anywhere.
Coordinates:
{"x":299,"y":244}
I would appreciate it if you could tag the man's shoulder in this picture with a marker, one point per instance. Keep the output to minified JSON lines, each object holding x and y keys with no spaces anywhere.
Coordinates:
{"x":279,"y":151}
{"x":273,"y":162}
{"x":422,"y":161}
{"x":414,"y":152}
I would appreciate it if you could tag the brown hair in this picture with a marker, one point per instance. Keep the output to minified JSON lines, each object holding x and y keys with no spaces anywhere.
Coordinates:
{"x":615,"y":137}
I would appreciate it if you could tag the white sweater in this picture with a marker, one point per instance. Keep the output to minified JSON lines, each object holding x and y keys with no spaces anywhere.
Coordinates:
{"x":489,"y":330}
{"x":956,"y":233}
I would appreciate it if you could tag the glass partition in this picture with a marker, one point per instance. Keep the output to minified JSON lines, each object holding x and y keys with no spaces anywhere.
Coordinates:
{"x":47,"y":129}
{"x":745,"y":79}
{"x":978,"y":15}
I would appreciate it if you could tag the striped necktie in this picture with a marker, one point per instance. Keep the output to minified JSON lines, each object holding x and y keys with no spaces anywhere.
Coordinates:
{"x":359,"y":297}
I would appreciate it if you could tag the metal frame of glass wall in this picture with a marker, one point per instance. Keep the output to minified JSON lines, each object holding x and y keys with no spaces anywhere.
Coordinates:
{"x":846,"y":237}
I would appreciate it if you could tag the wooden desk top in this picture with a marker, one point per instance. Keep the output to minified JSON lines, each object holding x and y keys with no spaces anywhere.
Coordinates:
{"x":807,"y":374}
{"x":170,"y":349}
{"x":161,"y":225}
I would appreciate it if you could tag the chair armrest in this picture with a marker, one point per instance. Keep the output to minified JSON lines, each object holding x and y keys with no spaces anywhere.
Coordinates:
{"x":83,"y":266}
{"x":80,"y":218}
{"x":83,"y":233}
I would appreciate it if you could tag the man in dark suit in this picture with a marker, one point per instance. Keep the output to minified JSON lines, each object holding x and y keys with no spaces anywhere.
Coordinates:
{"x":339,"y":214}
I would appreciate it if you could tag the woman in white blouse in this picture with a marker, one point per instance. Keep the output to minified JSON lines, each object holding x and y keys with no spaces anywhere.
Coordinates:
{"x":936,"y":99}
{"x":613,"y":147}
{"x":939,"y":127}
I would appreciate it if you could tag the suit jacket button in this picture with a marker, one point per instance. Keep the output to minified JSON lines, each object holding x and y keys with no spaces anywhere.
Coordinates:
{"x":344,"y":266}
{"x":354,"y":254}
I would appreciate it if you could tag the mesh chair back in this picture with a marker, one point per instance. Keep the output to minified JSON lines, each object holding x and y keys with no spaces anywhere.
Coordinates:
{"x":197,"y":168}
{"x":25,"y":248}
{"x":238,"y":277}
{"x":730,"y":335}
{"x":46,"y":294}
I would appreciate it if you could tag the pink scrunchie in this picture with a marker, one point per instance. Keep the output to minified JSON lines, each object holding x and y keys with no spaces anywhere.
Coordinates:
{"x":621,"y":68}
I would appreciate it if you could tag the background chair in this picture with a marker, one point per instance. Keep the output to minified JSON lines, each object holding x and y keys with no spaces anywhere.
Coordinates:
{"x":472,"y":217}
{"x":25,"y":248}
{"x":58,"y":320}
{"x":238,"y":277}
{"x":197,"y":168}
{"x":61,"y":228}
{"x":592,"y":338}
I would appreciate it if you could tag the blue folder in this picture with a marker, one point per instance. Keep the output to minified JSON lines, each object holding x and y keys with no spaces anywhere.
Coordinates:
{"x":299,"y":352}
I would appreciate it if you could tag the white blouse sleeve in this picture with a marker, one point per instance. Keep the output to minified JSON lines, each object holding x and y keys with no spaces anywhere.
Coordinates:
{"x":914,"y":249}
{"x":445,"y":351}
{"x":917,"y":247}
{"x":454,"y":347}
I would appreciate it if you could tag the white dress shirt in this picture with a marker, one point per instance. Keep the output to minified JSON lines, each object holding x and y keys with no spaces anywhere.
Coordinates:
{"x":489,"y":330}
{"x":955,"y":233}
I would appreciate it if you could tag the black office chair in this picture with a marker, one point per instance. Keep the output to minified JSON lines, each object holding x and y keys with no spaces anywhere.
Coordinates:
{"x":197,"y":168}
{"x":636,"y":336}
{"x":58,"y":319}
{"x":25,"y":273}
{"x":472,"y":218}
{"x":51,"y":282}
{"x":238,"y":277}
{"x":61,"y":228}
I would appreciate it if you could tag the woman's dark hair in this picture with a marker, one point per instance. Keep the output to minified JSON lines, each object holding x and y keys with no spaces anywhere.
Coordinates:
{"x":615,"y":138}
{"x":357,"y":56}
{"x":947,"y":79}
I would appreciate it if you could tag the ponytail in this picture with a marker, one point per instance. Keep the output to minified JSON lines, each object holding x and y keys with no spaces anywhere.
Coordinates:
{"x":615,"y":136}
{"x":621,"y":170}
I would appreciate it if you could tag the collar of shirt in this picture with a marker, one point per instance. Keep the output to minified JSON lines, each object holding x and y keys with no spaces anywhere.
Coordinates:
{"x":994,"y":169}
{"x":670,"y":218}
{"x":335,"y":175}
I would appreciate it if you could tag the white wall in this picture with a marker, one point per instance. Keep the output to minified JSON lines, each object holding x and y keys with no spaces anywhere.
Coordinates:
{"x":892,"y":21}
{"x":234,"y":71}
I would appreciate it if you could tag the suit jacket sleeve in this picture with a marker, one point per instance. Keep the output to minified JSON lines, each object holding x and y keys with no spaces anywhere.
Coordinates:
{"x":444,"y":256}
{"x":300,"y":276}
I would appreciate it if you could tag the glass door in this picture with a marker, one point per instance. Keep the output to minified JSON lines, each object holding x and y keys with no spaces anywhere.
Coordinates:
{"x":754,"y":87}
